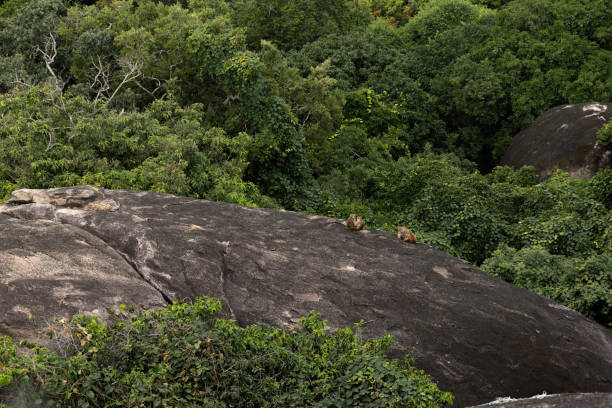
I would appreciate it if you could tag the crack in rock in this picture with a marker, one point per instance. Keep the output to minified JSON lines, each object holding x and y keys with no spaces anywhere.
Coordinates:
{"x":225,"y":270}
{"x":134,"y":267}
{"x":127,"y":260}
{"x":51,"y":214}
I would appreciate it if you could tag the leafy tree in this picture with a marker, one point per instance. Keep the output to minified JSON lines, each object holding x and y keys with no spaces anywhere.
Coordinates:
{"x":141,"y":51}
{"x":441,"y":15}
{"x":396,"y":12}
{"x":354,"y":56}
{"x":316,"y":105}
{"x":23,"y":35}
{"x":290,"y":25}
{"x":10,"y":7}
{"x":601,"y":187}
{"x":166,"y":149}
{"x":277,"y":159}
{"x":491,"y":3}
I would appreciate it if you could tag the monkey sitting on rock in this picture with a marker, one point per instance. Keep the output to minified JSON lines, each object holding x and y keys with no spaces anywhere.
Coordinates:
{"x":406,"y":234}
{"x":355,"y":222}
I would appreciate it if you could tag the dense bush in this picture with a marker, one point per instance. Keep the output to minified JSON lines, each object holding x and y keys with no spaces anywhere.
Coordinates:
{"x":184,"y":356}
{"x":487,"y":72}
{"x":605,"y":133}
{"x":291,"y":25}
{"x":583,"y":285}
{"x":601,"y":186}
{"x":165,"y":148}
{"x":470,"y":215}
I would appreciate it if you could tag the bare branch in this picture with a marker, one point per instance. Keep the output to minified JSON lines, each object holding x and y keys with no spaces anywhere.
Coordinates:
{"x":133,"y":72}
{"x":101,"y":80}
{"x":49,"y":54}
{"x":231,"y":98}
{"x":51,"y":143}
{"x":152,"y":93}
{"x":18,"y":81}
{"x":56,"y":97}
{"x":305,"y":121}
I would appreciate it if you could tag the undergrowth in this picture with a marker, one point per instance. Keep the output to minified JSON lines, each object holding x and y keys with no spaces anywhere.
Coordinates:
{"x":184,"y":356}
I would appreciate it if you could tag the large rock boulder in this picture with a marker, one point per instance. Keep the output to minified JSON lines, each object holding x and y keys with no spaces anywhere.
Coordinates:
{"x":84,"y":249}
{"x":594,"y":400}
{"x":563,"y":137}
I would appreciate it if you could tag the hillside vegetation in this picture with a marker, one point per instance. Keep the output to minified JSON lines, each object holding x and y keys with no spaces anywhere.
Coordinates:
{"x":326,"y":107}
{"x":395,"y":110}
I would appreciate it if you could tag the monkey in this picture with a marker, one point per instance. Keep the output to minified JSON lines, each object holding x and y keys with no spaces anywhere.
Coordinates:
{"x":406,"y":234}
{"x":354,"y":222}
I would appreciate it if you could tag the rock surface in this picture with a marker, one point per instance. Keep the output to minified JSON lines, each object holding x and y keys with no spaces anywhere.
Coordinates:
{"x":563,"y":137}
{"x":84,"y":249}
{"x":594,"y":400}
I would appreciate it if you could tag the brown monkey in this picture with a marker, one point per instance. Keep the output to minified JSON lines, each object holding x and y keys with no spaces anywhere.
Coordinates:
{"x":355,"y":222}
{"x":406,"y":234}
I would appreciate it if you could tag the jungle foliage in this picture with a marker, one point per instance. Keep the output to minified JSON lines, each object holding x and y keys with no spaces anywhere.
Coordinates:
{"x":394,"y":109}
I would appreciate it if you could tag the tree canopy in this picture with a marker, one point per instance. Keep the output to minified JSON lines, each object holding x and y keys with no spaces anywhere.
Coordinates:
{"x":397,"y":110}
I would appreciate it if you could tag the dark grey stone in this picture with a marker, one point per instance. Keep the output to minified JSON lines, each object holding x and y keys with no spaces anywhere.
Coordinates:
{"x":594,"y":400}
{"x":563,"y":137}
{"x":479,"y":337}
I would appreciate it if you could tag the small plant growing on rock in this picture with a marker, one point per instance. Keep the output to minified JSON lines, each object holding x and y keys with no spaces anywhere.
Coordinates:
{"x":183,"y":356}
{"x":605,"y":133}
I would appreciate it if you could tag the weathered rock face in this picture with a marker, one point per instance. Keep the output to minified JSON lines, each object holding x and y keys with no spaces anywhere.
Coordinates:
{"x":83,"y":249}
{"x":594,"y":400}
{"x":563,"y":137}
{"x":52,"y":269}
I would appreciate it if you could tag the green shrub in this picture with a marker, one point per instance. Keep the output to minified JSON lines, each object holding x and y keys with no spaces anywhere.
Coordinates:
{"x":605,"y":133}
{"x":601,"y":186}
{"x":182,"y":356}
{"x":583,"y":285}
{"x":441,"y":15}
